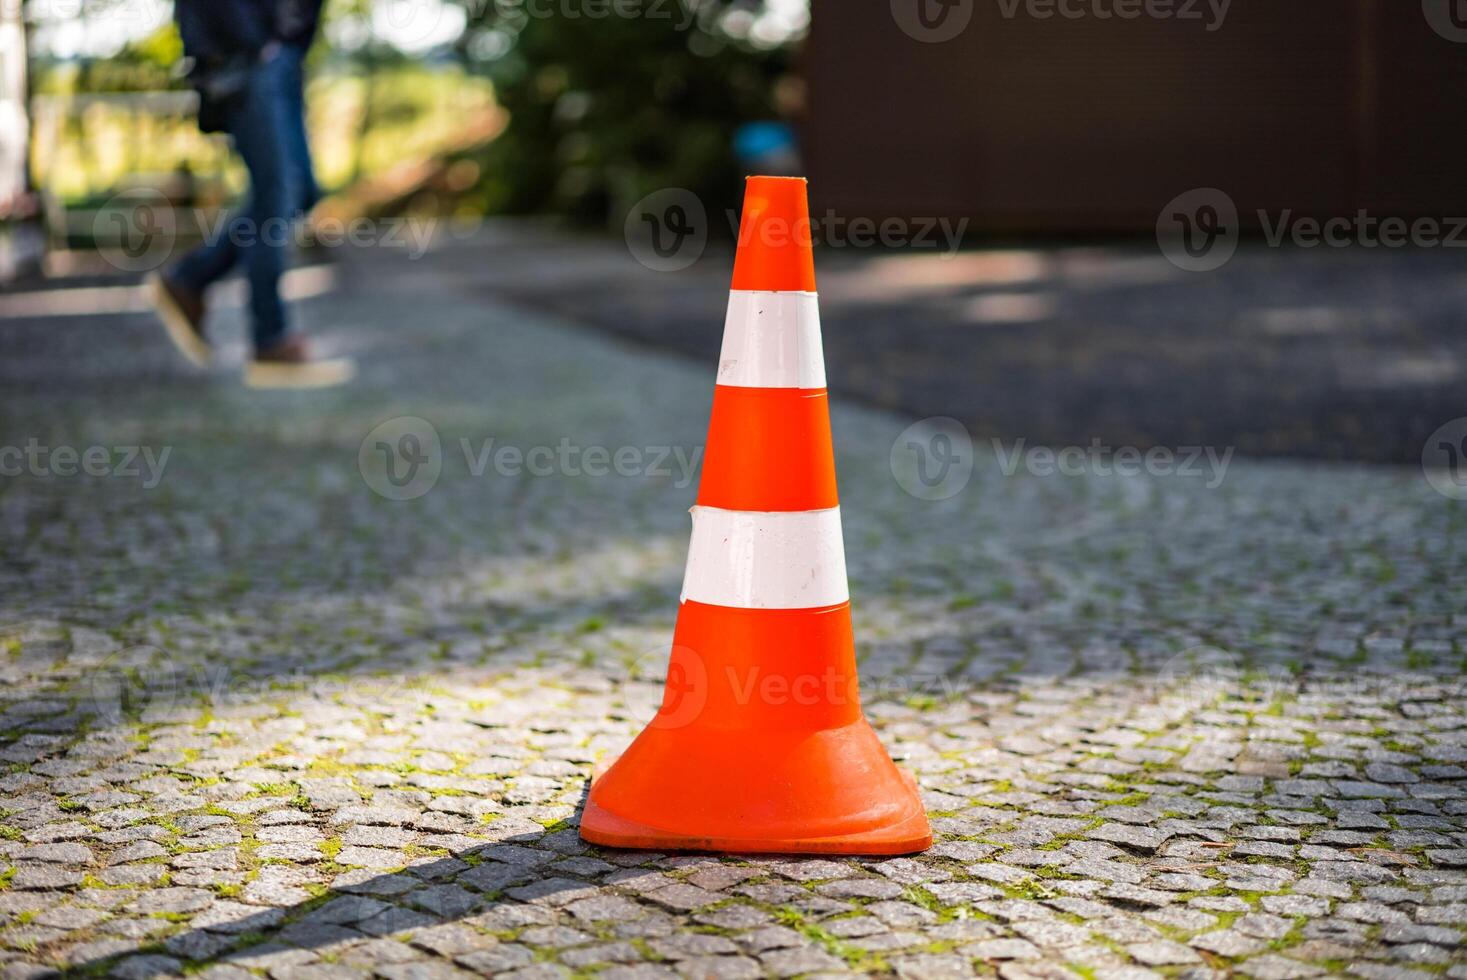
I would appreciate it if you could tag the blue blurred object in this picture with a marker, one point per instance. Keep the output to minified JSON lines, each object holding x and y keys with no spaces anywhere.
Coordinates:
{"x":767,"y":147}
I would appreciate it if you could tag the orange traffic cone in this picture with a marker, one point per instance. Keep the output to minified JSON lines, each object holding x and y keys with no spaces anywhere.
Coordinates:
{"x":760,"y":743}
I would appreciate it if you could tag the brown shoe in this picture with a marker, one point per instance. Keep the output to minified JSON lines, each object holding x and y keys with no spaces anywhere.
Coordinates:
{"x":289,"y":364}
{"x":182,"y":312}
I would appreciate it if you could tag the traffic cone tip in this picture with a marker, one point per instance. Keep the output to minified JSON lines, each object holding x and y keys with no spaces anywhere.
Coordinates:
{"x":775,"y":237}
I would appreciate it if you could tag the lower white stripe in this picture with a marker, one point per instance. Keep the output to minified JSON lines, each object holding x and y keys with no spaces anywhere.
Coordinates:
{"x":766,"y":559}
{"x":771,"y":340}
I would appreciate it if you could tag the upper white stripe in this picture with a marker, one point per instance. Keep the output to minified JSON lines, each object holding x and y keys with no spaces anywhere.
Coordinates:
{"x":766,"y":559}
{"x":771,"y":340}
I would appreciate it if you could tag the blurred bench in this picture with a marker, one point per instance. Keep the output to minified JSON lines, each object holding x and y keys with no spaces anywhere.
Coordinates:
{"x":106,"y":164}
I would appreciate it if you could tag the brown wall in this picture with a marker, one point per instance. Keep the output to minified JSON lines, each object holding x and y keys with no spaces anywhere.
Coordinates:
{"x":1323,"y":106}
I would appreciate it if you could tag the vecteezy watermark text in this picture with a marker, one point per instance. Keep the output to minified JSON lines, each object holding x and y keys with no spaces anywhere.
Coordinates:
{"x":1362,"y":229}
{"x":142,"y":463}
{"x":1212,"y":12}
{"x":139,"y":229}
{"x":933,"y":459}
{"x":667,"y":230}
{"x":414,"y":234}
{"x":689,"y":682}
{"x":831,"y":230}
{"x":935,"y":21}
{"x":1099,"y":459}
{"x":681,"y":15}
{"x":567,"y":458}
{"x":403,"y":458}
{"x":1199,"y":230}
{"x":1203,"y":675}
{"x":145,"y":680}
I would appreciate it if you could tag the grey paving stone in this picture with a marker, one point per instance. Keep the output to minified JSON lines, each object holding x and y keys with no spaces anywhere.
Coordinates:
{"x":792,"y":962}
{"x":602,"y":908}
{"x":444,"y":900}
{"x":1228,"y":942}
{"x":422,"y":970}
{"x":1130,"y":836}
{"x":143,"y":967}
{"x":719,"y":968}
{"x":1001,"y":949}
{"x":1162,"y":953}
{"x":497,"y":960}
{"x":393,"y":920}
{"x":346,"y":910}
{"x":684,"y":898}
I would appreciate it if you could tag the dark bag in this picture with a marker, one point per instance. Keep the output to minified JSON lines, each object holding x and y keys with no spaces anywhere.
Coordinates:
{"x":221,"y":85}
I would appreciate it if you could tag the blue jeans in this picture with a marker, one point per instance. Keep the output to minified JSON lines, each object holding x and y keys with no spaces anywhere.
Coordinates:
{"x":269,"y":129}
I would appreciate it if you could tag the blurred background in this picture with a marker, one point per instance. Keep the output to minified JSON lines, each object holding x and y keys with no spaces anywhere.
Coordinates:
{"x":409,"y":103}
{"x":1099,"y":220}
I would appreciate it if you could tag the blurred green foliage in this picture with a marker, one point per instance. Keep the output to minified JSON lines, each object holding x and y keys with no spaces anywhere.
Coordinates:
{"x":605,"y":109}
{"x":142,"y":66}
{"x":607,"y":101}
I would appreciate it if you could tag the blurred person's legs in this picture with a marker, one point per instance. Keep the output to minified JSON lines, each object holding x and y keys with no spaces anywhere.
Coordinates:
{"x":257,"y":124}
{"x":259,"y":235}
{"x":268,"y":126}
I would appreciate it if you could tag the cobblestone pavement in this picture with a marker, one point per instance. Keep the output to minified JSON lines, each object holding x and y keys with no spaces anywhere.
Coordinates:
{"x":259,"y":719}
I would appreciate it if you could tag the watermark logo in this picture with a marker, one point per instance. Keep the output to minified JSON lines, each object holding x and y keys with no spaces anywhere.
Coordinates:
{"x":135,"y":230}
{"x":1198,"y":231}
{"x":831,"y":230}
{"x":1447,"y":17}
{"x":1200,"y":675}
{"x":1444,"y":459}
{"x":413,"y":235}
{"x":932,"y":21}
{"x":667,"y":230}
{"x":933,"y":459}
{"x":413,"y":25}
{"x":680,"y":674}
{"x":148,"y":15}
{"x":687,"y":684}
{"x":141,"y":16}
{"x":55,"y":10}
{"x":140,"y":681}
{"x":143,"y":463}
{"x":402,"y":458}
{"x":126,"y":684}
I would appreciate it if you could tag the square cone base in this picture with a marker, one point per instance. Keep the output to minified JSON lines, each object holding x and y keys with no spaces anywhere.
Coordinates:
{"x":609,"y":830}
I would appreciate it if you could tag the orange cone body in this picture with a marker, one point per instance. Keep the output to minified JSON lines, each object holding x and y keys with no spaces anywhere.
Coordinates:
{"x":760,"y":744}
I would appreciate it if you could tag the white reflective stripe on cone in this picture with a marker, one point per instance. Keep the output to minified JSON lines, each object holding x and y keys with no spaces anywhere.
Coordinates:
{"x":753,"y":559}
{"x":771,"y":340}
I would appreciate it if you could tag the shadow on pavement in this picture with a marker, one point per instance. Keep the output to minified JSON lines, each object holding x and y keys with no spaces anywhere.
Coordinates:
{"x":496,"y":886}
